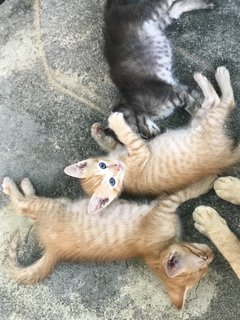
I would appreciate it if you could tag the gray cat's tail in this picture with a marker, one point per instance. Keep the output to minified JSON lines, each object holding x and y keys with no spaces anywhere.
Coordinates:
{"x":36,"y":272}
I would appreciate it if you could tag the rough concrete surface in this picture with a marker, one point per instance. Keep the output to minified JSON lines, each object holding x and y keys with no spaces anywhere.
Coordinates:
{"x":54,"y":84}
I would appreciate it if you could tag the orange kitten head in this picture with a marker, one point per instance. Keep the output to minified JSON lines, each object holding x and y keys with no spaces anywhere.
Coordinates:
{"x":180,"y":267}
{"x":101,"y":178}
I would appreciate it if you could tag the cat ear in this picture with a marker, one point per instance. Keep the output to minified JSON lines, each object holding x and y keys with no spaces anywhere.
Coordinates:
{"x":174,"y":265}
{"x":76,"y":170}
{"x":97,"y":203}
{"x":177,"y":296}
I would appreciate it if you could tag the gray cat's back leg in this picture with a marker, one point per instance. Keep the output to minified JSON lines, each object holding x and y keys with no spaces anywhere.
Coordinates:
{"x":182,"y":6}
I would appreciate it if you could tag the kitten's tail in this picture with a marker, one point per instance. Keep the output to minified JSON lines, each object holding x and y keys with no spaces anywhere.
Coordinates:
{"x":36,"y":272}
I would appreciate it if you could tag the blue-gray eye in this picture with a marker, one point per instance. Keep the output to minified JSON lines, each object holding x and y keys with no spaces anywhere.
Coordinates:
{"x":102,"y":165}
{"x":112,"y":182}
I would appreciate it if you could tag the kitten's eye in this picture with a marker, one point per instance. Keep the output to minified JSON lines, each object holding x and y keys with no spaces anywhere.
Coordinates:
{"x":102,"y":165}
{"x":112,"y":182}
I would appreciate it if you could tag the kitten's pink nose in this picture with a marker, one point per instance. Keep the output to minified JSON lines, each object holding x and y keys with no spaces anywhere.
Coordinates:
{"x":118,"y":166}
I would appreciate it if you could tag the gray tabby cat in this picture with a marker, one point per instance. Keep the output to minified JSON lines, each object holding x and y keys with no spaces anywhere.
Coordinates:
{"x":140,"y":59}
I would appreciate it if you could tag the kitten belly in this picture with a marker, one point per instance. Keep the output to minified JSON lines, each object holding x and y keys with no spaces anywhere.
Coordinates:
{"x":157,"y":54}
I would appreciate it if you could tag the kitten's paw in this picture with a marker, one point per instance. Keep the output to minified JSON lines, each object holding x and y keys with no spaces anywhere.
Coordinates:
{"x":222,"y":75}
{"x":97,"y":131}
{"x":228,"y":188}
{"x":6,"y":185}
{"x":148,"y":129}
{"x":116,"y":120}
{"x":27,"y":187}
{"x":207,"y":220}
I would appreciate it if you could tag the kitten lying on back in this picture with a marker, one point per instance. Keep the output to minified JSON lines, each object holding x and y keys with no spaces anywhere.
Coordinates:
{"x":140,"y":59}
{"x":168,"y":162}
{"x":124,"y":230}
{"x":209,"y":222}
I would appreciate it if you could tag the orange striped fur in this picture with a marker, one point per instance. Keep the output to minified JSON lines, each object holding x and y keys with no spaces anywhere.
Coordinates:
{"x":123,"y":230}
{"x":172,"y":160}
{"x":212,"y":225}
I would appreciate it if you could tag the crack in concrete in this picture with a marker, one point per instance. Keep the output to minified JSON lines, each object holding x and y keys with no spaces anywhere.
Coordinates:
{"x":50,"y":73}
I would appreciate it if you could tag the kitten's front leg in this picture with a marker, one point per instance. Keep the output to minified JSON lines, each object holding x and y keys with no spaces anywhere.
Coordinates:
{"x":135,"y":145}
{"x":209,"y":223}
{"x":106,"y":142}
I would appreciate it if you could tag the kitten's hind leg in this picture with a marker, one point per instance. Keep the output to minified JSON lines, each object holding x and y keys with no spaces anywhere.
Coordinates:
{"x":223,"y":79}
{"x":27,"y":187}
{"x":179,"y":7}
{"x":211,"y":99}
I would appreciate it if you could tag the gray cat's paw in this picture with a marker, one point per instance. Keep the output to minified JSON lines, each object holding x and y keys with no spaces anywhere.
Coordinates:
{"x":147,"y":128}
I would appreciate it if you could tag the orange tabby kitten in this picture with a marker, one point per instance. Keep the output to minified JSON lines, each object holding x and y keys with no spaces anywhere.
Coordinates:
{"x":209,"y":222}
{"x":168,"y":162}
{"x":124,"y":230}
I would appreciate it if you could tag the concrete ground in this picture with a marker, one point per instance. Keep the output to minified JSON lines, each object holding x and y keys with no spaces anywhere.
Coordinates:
{"x":53,"y":85}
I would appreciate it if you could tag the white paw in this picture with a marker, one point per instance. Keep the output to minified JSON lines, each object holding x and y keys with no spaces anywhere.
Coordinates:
{"x":228,"y":188}
{"x":207,"y":220}
{"x":152,"y":127}
{"x":222,"y":74}
{"x":115,"y":120}
{"x":6,"y":185}
{"x":27,"y":187}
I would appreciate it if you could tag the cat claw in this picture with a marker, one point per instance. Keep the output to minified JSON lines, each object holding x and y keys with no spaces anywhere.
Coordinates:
{"x":150,"y":130}
{"x":153,"y":128}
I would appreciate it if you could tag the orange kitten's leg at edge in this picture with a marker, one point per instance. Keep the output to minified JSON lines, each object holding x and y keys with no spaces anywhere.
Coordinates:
{"x":228,"y":188}
{"x":209,"y":223}
{"x":134,"y":144}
